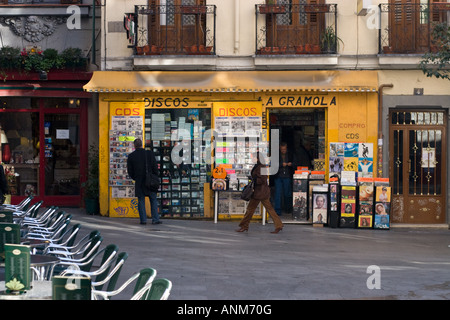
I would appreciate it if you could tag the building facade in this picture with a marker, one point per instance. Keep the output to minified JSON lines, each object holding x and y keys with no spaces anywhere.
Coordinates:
{"x":319,"y":72}
{"x":48,"y":120}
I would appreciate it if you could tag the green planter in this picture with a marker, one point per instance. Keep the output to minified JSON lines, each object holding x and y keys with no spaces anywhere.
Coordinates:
{"x":91,"y":206}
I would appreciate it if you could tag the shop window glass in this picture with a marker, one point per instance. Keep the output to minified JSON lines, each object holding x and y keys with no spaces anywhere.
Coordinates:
{"x":181,"y":193}
{"x":10,"y":103}
{"x":22,"y":132}
{"x":62,"y":154}
{"x":61,"y":103}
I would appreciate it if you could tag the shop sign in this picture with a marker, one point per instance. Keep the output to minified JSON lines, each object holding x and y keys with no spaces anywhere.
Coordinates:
{"x":174,"y":102}
{"x":296,"y":101}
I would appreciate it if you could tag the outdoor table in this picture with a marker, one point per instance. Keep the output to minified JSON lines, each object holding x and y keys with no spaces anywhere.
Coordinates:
{"x":40,"y":263}
{"x":34,"y":243}
{"x":41,"y":290}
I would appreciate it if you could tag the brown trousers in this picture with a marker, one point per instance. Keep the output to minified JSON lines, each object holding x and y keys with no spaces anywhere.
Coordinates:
{"x":252,"y":204}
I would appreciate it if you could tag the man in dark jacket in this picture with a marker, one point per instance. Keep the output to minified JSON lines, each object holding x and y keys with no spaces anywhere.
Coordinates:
{"x":3,"y":185}
{"x":137,"y":170}
{"x":283,"y":179}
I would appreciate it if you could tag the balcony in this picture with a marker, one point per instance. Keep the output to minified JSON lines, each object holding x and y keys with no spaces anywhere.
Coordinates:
{"x":405,"y":29}
{"x":173,"y":30}
{"x":302,"y":29}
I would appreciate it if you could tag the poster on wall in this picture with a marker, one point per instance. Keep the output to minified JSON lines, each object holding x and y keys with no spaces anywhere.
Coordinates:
{"x":124,"y":129}
{"x":351,"y":157}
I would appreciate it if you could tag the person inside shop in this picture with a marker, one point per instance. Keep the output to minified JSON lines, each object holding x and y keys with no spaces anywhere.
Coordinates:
{"x":303,"y":155}
{"x":136,"y":166}
{"x":261,"y":194}
{"x":283,"y":179}
{"x":3,"y":185}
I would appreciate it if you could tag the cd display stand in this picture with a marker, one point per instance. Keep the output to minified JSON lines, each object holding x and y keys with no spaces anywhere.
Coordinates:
{"x":365,"y":203}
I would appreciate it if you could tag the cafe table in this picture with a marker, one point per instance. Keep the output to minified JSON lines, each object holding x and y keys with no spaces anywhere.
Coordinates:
{"x":40,"y":264}
{"x":34,"y":243}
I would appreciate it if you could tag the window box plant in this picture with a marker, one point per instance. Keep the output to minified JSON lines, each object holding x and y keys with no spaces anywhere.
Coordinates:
{"x":329,"y":41}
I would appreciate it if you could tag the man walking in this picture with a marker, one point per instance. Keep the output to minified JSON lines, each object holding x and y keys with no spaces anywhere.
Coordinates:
{"x":283,"y":179}
{"x":136,"y":165}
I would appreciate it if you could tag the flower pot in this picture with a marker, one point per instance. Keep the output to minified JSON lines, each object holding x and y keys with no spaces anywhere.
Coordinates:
{"x":273,"y":50}
{"x":146,"y":50}
{"x":140,"y":51}
{"x":91,"y":205}
{"x":315,"y":49}
{"x":308,"y":48}
{"x":299,"y":49}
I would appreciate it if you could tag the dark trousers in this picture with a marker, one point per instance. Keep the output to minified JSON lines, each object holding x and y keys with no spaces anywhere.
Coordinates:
{"x":252,"y":204}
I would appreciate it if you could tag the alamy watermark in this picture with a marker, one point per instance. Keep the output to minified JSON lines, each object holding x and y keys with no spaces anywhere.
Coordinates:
{"x":374,"y":280}
{"x":184,"y":150}
{"x":74,"y":20}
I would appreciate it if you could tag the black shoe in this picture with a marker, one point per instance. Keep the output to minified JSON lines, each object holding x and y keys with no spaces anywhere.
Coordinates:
{"x":156,"y":222}
{"x":143,"y":222}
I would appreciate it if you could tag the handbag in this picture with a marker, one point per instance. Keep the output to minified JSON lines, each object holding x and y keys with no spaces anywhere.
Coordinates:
{"x":247,"y":192}
{"x":151,"y":180}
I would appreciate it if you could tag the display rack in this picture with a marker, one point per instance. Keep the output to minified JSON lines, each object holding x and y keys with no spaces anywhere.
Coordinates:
{"x":300,"y":196}
{"x":124,"y":130}
{"x":382,"y":204}
{"x":365,"y":202}
{"x":182,"y":182}
{"x":334,"y":202}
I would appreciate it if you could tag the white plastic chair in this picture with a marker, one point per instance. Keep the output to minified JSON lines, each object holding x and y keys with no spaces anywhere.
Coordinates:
{"x":143,"y":278}
{"x":20,"y":206}
{"x":159,"y":289}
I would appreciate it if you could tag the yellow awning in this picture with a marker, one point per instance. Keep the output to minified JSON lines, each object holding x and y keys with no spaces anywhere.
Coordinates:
{"x":232,"y":81}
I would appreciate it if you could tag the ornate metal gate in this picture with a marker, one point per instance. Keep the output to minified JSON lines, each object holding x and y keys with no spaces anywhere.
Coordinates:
{"x":418,"y":166}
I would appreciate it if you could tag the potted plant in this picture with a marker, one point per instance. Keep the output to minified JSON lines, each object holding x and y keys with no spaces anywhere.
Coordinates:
{"x":329,"y":41}
{"x":91,"y":185}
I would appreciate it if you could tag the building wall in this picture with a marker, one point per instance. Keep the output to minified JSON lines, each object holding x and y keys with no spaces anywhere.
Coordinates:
{"x":235,"y":50}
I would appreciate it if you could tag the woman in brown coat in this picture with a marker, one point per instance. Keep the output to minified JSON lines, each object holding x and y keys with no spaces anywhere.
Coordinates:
{"x":261,"y":194}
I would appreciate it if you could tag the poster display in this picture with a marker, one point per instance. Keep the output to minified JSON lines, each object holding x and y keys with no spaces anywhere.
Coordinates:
{"x":126,"y":124}
{"x":300,"y":196}
{"x":348,"y":206}
{"x":334,"y":198}
{"x":382,"y":204}
{"x":355,"y":157}
{"x":237,"y":139}
{"x":365,"y":205}
{"x":182,"y":152}
{"x":320,"y":205}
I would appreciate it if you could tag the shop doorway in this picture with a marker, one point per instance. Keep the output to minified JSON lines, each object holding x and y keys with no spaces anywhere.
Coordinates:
{"x":303,"y":130}
{"x":418,"y":166}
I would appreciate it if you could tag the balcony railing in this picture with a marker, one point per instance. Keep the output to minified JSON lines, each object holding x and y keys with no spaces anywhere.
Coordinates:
{"x":296,"y":29}
{"x":407,"y":28}
{"x":174,"y":30}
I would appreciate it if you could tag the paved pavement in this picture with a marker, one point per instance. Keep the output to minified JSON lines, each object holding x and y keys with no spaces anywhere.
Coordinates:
{"x":208,"y":261}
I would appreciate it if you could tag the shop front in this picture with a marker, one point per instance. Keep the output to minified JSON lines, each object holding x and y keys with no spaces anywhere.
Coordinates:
{"x":44,"y":137}
{"x":196,"y":122}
